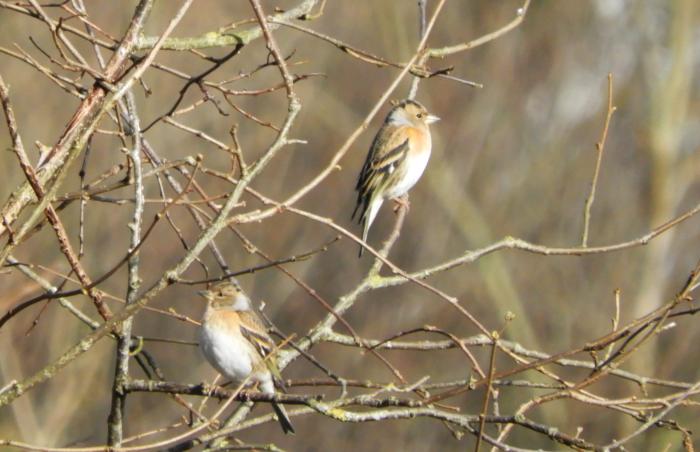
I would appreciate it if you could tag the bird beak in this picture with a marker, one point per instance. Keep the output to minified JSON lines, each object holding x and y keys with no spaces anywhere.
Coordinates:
{"x":431,"y":119}
{"x":203,"y":293}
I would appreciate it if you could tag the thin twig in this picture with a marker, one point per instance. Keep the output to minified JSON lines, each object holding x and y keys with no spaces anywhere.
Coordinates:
{"x":487,"y":392}
{"x":422,"y":6}
{"x":600,"y":146}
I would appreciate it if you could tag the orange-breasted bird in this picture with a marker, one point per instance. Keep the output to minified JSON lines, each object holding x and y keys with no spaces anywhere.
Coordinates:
{"x":395,"y":161}
{"x":234,"y":340}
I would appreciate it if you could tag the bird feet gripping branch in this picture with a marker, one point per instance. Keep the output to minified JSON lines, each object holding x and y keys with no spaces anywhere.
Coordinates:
{"x":402,"y":202}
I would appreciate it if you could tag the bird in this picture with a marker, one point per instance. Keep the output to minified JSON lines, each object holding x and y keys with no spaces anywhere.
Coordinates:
{"x":395,"y":161}
{"x":234,"y":340}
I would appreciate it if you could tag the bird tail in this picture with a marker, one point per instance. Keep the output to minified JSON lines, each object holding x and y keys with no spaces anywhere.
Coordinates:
{"x":368,"y":217}
{"x":283,"y":418}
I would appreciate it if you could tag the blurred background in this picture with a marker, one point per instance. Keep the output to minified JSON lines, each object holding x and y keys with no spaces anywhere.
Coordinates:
{"x":513,"y":158}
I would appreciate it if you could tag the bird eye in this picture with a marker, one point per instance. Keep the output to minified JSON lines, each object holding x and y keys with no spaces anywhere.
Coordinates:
{"x":419,"y":115}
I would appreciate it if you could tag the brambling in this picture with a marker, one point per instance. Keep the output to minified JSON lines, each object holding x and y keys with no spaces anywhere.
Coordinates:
{"x":395,"y":161}
{"x":234,"y":340}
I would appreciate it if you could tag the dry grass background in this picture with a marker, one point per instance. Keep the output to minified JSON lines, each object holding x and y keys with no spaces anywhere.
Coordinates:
{"x":514,"y":158}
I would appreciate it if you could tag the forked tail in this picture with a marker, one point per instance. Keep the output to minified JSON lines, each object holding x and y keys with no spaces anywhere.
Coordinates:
{"x":283,"y":419}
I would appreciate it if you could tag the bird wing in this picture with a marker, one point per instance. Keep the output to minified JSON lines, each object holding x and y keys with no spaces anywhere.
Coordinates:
{"x":388,"y":148}
{"x":389,"y":160}
{"x":387,"y":153}
{"x":255,"y":332}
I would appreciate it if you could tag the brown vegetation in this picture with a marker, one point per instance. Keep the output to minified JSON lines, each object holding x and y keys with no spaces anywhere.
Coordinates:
{"x":538,"y":294}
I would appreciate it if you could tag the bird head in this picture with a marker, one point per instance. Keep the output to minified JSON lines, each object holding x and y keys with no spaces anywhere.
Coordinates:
{"x":226,"y":295}
{"x":411,"y":113}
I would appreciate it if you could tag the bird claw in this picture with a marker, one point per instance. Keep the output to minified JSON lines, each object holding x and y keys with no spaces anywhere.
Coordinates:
{"x":401,"y":202}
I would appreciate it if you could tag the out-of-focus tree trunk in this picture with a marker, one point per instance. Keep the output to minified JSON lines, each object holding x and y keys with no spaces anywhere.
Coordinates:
{"x":669,"y":77}
{"x":669,"y":73}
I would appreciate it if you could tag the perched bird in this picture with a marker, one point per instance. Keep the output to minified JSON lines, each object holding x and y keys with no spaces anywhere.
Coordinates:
{"x":395,"y":161}
{"x":235,"y":341}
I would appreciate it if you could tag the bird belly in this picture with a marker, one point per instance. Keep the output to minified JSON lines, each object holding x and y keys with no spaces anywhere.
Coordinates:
{"x":412,"y":170}
{"x":228,"y":353}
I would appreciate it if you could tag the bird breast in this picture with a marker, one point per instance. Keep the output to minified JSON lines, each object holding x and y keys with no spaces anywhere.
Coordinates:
{"x":414,"y":165}
{"x":227,"y":351}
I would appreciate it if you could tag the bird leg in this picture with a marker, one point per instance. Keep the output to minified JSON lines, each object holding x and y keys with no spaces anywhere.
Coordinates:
{"x":402,"y":201}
